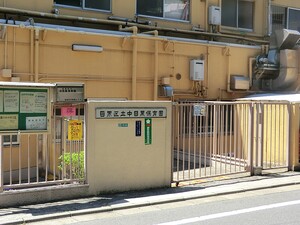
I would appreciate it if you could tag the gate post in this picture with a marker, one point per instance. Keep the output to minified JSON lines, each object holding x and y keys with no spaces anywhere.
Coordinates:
{"x":257,"y":161}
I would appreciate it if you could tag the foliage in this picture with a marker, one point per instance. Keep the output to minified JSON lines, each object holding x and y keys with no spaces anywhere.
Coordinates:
{"x":76,"y":159}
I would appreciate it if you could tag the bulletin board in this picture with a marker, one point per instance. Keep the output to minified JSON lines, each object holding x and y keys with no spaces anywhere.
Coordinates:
{"x":24,"y":108}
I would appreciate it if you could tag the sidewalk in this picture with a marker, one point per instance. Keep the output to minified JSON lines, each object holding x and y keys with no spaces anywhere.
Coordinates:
{"x":197,"y":189}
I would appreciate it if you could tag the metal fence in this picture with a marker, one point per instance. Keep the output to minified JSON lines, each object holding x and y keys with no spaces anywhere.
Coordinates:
{"x":45,"y":158}
{"x":222,"y":138}
{"x":271,"y":135}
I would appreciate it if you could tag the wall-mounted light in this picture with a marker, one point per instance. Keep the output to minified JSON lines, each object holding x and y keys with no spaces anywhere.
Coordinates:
{"x":87,"y":48}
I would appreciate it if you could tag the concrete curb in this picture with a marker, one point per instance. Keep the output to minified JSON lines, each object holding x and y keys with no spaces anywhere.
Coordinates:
{"x":142,"y":202}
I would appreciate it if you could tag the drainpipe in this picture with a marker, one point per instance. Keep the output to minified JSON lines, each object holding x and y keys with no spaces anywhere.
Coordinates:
{"x":31,"y":53}
{"x":226,"y":52}
{"x":155,"y":83}
{"x":5,"y":50}
{"x":134,"y":58}
{"x":36,"y":54}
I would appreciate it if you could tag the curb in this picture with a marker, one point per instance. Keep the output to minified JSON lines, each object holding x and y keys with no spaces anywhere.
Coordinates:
{"x":134,"y":205}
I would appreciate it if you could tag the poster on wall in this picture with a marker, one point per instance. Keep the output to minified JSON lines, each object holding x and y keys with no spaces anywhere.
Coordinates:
{"x":33,"y":102}
{"x":9,"y":122}
{"x":23,"y":108}
{"x":75,"y":130}
{"x":36,"y":123}
{"x":11,"y":101}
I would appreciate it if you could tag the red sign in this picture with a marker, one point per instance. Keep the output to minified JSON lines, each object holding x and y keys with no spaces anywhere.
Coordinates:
{"x":68,"y":111}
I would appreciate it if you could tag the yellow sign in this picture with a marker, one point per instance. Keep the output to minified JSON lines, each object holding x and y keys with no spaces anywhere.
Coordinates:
{"x":75,"y":130}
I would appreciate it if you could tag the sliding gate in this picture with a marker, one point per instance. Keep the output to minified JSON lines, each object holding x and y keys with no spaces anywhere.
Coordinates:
{"x":222,"y":138}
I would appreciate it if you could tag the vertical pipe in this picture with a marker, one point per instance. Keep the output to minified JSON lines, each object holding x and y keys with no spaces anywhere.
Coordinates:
{"x":134,"y":64}
{"x":36,"y":55}
{"x":31,"y":54}
{"x":5,"y":49}
{"x":14,"y":50}
{"x":155,"y":90}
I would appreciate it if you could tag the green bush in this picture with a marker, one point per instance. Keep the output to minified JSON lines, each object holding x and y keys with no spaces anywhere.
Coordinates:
{"x":77,"y":161}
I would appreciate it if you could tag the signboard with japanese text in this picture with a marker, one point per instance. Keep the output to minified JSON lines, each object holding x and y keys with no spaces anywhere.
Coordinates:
{"x":130,"y":112}
{"x":68,"y":111}
{"x":23,"y":108}
{"x":75,"y":130}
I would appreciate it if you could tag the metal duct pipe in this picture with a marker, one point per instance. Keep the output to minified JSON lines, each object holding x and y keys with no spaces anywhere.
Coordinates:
{"x":117,"y":23}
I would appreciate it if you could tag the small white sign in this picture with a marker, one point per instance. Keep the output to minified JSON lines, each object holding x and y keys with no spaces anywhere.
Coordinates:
{"x":36,"y":123}
{"x":199,"y":110}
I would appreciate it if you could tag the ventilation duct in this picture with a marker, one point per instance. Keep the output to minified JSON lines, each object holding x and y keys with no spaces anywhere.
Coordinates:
{"x":278,"y":69}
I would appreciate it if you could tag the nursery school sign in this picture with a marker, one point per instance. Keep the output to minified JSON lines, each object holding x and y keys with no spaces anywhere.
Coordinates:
{"x":130,"y":112}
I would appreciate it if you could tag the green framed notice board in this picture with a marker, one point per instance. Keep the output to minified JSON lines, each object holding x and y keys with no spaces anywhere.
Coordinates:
{"x":23,"y":108}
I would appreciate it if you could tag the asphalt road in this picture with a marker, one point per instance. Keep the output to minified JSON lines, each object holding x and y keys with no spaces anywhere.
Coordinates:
{"x":274,"y":206}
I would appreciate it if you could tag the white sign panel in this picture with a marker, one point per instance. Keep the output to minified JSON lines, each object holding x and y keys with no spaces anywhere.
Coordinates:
{"x":134,"y":112}
{"x":33,"y":102}
{"x":36,"y":123}
{"x":11,"y":101}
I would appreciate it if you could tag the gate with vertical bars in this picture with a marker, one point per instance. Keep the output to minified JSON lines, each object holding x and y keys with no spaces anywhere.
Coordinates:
{"x":221,"y":138}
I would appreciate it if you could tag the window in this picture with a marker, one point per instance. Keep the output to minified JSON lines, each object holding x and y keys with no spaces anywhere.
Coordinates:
{"x":278,"y":17}
{"x":169,"y":9}
{"x":14,"y":139}
{"x":238,"y":13}
{"x":293,"y":19}
{"x":87,"y":4}
{"x":283,"y":17}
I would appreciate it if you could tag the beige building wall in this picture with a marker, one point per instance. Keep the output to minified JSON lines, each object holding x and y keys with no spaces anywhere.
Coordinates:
{"x":121,"y":71}
{"x":118,"y":160}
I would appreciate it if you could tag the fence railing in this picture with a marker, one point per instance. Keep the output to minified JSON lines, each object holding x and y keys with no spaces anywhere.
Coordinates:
{"x":222,"y":138}
{"x":33,"y":159}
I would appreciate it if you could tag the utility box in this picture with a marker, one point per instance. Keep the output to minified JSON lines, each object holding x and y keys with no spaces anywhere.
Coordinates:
{"x":197,"y":70}
{"x":239,"y":82}
{"x":128,"y":145}
{"x":69,"y":92}
{"x":214,"y":15}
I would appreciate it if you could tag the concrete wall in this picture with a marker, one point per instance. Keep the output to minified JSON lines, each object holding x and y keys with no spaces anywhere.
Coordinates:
{"x":118,"y":160}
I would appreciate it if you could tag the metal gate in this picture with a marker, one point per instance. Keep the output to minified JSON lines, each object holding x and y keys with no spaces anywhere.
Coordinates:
{"x":44,"y":158}
{"x":271,"y":135}
{"x":222,"y":138}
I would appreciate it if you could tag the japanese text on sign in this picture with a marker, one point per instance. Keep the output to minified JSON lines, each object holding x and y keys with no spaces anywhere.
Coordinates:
{"x":116,"y":113}
{"x":75,"y":130}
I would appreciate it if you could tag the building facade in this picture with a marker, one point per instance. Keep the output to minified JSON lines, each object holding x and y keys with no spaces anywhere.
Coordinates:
{"x":148,"y":50}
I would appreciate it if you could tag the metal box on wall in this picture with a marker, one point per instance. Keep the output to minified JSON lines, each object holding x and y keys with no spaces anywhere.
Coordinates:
{"x":69,"y":92}
{"x":239,"y":82}
{"x":197,"y":70}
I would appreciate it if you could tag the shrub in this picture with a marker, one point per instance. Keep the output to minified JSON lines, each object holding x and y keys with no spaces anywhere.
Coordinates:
{"x":77,"y":161}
